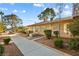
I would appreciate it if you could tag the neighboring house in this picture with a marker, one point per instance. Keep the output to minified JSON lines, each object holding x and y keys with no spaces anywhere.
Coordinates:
{"x":54,"y":26}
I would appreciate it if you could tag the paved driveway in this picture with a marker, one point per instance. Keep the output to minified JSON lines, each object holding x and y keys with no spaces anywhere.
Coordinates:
{"x":32,"y":48}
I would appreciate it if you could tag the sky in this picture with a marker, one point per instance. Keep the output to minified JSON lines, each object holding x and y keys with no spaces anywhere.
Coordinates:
{"x":28,"y":12}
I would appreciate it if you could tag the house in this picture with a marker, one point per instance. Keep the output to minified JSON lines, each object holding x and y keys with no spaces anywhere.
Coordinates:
{"x":53,"y":25}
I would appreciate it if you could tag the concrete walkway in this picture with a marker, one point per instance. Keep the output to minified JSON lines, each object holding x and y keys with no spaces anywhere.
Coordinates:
{"x":32,"y":48}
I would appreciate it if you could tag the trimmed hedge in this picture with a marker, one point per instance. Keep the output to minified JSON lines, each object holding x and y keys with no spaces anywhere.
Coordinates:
{"x":7,"y":40}
{"x":48,"y":33}
{"x":58,"y":43}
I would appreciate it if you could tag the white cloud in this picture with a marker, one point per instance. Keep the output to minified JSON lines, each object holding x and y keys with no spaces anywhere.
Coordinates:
{"x":3,"y":9}
{"x":15,"y":11}
{"x":23,"y":11}
{"x":6,"y":9}
{"x":67,"y":13}
{"x":56,"y":10}
{"x":64,"y":13}
{"x":38,"y":4}
{"x":66,"y":6}
{"x":44,"y":8}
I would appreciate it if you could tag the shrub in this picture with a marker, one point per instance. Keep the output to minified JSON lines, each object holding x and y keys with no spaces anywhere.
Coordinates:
{"x":58,"y":43}
{"x":74,"y":44}
{"x":23,"y":32}
{"x":48,"y":33}
{"x":74,"y":27}
{"x":7,"y":40}
{"x":1,"y":50}
{"x":56,"y":33}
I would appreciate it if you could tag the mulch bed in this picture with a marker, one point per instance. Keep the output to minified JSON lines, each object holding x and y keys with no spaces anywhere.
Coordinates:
{"x":50,"y":43}
{"x":11,"y":49}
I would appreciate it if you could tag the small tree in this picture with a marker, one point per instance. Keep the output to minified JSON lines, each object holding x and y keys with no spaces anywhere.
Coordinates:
{"x":74,"y":28}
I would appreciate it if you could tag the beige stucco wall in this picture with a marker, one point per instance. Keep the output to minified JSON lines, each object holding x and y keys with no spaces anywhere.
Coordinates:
{"x":53,"y":26}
